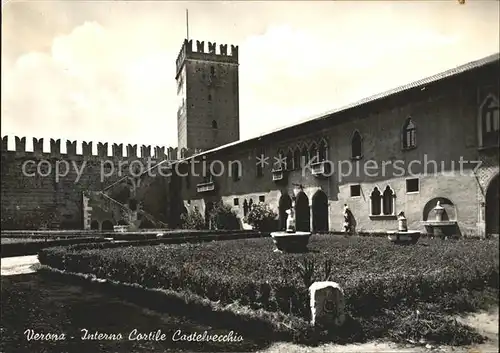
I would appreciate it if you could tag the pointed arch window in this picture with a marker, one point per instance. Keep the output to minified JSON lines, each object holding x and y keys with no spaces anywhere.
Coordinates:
{"x":313,"y":153}
{"x":375,"y":203}
{"x":322,"y":151}
{"x":356,"y":145}
{"x":214,"y":124}
{"x":304,"y":155}
{"x":489,"y":121}
{"x":281,"y":159}
{"x":289,"y":160}
{"x":409,"y":134}
{"x":245,"y":208}
{"x":388,"y":201}
{"x":296,"y":158}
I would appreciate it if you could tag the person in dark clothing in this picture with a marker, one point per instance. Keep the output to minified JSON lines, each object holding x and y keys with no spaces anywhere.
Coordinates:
{"x":349,"y":221}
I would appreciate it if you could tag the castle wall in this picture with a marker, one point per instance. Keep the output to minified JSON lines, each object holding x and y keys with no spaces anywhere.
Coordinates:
{"x":44,"y":189}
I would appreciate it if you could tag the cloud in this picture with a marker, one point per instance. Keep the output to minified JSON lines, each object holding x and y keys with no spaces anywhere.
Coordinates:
{"x":114,"y":81}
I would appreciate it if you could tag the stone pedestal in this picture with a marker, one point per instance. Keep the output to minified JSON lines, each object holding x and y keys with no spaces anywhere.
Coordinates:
{"x":327,"y":304}
{"x":295,"y":242}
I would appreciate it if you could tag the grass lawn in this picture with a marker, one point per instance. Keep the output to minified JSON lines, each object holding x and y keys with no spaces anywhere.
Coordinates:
{"x":384,"y":284}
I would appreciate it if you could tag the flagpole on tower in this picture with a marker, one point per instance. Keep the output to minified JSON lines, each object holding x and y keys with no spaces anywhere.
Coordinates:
{"x":187,"y":24}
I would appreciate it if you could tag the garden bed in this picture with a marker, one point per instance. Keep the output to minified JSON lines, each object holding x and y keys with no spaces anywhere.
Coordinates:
{"x":384,"y":284}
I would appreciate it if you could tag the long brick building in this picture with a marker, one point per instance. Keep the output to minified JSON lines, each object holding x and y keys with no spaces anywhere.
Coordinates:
{"x":433,"y":140}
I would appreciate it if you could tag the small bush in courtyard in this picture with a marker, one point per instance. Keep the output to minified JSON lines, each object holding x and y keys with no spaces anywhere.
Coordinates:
{"x":262,"y":218}
{"x":223,"y":217}
{"x":192,"y":220}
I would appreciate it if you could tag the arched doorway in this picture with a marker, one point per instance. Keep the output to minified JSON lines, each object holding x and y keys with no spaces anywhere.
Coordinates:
{"x":492,"y":207}
{"x":107,"y":225}
{"x":302,"y":213}
{"x":209,"y":206}
{"x":285,"y":203}
{"x":94,"y":225}
{"x":320,"y":212}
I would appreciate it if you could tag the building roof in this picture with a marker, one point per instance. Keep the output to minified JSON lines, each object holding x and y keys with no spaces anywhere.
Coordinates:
{"x":327,"y":115}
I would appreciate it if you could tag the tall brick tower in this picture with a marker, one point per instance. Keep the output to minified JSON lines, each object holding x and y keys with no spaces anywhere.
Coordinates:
{"x":207,"y":91}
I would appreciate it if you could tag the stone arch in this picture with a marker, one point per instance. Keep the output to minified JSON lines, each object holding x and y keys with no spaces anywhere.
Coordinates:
{"x":302,"y":212}
{"x":450,"y":210}
{"x":320,"y":212}
{"x":107,"y":225}
{"x":492,"y":207}
{"x":94,"y":225}
{"x":285,"y":203}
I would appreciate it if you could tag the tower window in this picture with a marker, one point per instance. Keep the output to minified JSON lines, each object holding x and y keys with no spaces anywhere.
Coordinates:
{"x":209,"y":97}
{"x":212,"y":70}
{"x":214,"y":124}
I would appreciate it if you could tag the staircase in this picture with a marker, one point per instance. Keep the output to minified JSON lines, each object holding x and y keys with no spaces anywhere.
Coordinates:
{"x":102,"y":200}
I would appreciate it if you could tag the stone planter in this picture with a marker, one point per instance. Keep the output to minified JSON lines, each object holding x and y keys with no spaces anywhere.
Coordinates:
{"x":291,"y":242}
{"x":404,"y":238}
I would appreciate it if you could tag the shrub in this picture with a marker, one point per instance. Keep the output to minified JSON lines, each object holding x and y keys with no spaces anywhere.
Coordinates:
{"x":192,"y":220}
{"x":262,"y":218}
{"x":223,"y":217}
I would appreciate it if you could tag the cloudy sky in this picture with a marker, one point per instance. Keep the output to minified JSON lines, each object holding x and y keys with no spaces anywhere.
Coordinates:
{"x":104,"y":70}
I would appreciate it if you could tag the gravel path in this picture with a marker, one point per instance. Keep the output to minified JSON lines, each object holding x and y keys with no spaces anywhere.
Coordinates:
{"x":26,"y":296}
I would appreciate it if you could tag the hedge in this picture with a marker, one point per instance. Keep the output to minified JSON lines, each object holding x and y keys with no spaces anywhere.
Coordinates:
{"x":26,"y":247}
{"x":376,"y":275}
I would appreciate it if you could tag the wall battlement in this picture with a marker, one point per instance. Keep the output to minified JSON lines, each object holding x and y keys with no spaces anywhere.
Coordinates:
{"x":103,"y":151}
{"x":211,"y":53}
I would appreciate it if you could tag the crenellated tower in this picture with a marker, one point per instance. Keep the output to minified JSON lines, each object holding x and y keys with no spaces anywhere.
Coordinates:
{"x":208,"y":95}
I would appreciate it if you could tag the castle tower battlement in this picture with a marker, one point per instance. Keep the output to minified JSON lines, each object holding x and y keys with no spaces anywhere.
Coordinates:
{"x":156,"y":153}
{"x":212,"y":53}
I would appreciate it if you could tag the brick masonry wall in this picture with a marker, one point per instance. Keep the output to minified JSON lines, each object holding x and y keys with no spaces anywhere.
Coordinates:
{"x":32,"y":202}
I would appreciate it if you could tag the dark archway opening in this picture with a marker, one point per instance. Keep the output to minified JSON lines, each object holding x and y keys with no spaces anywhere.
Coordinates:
{"x":94,"y":225}
{"x":320,"y":212}
{"x":302,"y":213}
{"x":492,"y":207}
{"x":107,"y":225}
{"x":285,"y":203}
